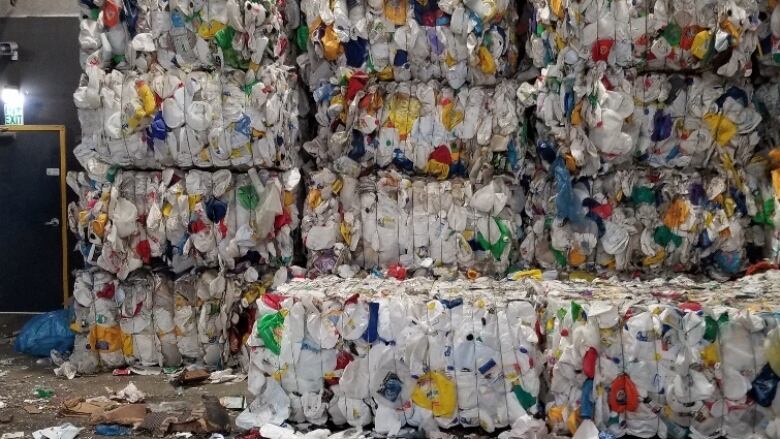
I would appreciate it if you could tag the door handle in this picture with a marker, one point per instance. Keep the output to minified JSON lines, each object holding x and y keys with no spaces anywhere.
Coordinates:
{"x":54,"y":222}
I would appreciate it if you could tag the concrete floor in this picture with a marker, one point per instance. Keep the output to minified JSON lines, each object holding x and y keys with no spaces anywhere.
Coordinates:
{"x":20,"y":376}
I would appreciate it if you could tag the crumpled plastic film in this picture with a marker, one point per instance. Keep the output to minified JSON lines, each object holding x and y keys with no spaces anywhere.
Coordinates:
{"x":417,"y":127}
{"x":606,"y":118}
{"x":768,"y":33}
{"x":440,"y":226}
{"x":183,"y":118}
{"x":185,"y":219}
{"x":201,"y":34}
{"x":651,"y":220}
{"x":472,"y":41}
{"x":653,"y":35}
{"x":414,"y":353}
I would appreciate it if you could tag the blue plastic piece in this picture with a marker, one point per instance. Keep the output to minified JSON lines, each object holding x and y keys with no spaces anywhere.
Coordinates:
{"x":45,"y":332}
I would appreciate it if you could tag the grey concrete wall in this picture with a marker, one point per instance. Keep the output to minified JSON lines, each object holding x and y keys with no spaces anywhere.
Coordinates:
{"x":39,"y":8}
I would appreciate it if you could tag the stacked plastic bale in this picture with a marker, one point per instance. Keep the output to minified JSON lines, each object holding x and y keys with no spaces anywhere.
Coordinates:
{"x":418,"y":88}
{"x":633,"y":166}
{"x":99,"y":341}
{"x":687,"y":364}
{"x":660,"y":35}
{"x":399,"y":354}
{"x":421,"y":128}
{"x":452,"y":41}
{"x":388,"y":219}
{"x":187,"y":219}
{"x":179,"y":85}
{"x":178,"y":117}
{"x":151,"y":319}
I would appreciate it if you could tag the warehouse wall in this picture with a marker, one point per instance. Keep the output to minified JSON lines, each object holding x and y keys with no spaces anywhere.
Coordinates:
{"x":47,"y":70}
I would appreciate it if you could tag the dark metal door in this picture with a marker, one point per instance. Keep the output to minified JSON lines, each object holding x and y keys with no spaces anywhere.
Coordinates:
{"x":31,"y":272}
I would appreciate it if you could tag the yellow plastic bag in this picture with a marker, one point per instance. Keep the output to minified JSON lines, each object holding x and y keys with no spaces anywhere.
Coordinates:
{"x":701,"y":44}
{"x":772,"y":347}
{"x":677,"y":214}
{"x":486,"y":62}
{"x":207,"y":30}
{"x":106,"y":338}
{"x":395,"y":11}
{"x":404,"y":111}
{"x":449,"y":117}
{"x":721,"y":127}
{"x":435,"y":392}
{"x":440,"y":170}
{"x":532,"y":274}
{"x":331,"y":46}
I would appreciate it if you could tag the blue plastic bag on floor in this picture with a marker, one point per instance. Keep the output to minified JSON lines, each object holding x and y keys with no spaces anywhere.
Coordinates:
{"x":45,"y":332}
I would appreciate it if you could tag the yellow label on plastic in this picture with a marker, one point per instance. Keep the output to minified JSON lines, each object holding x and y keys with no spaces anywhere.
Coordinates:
{"x":710,"y":355}
{"x":337,"y":185}
{"x":449,"y":117}
{"x":395,"y":11}
{"x":346,"y":233}
{"x":655,"y":259}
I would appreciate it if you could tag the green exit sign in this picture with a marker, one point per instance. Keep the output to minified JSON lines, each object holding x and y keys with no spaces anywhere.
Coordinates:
{"x":14,"y":114}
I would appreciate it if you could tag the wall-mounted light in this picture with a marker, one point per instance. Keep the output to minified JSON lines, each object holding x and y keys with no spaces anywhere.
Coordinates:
{"x":13,"y":106}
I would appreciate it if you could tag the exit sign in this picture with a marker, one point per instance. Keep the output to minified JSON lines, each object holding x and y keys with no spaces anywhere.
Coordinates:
{"x":14,"y":114}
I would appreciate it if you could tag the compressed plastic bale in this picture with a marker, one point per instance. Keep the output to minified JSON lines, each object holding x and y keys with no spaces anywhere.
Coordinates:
{"x":188,"y":219}
{"x":418,"y":128}
{"x":415,"y":360}
{"x":652,"y":35}
{"x":417,"y":223}
{"x":84,"y":357}
{"x":136,"y":321}
{"x":608,"y":118}
{"x":135,"y":35}
{"x":163,"y":320}
{"x":189,"y":118}
{"x":106,"y":336}
{"x":186,"y":318}
{"x":664,"y":222}
{"x":457,"y":42}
